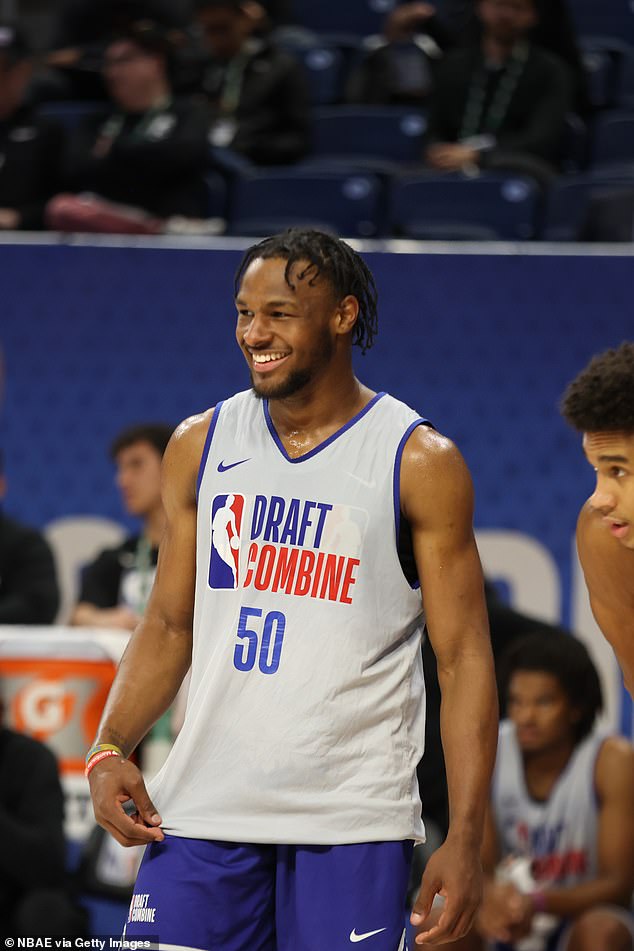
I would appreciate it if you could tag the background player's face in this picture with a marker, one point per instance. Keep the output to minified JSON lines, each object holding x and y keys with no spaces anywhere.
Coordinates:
{"x":139,"y":478}
{"x":612,"y":457}
{"x":134,"y":76}
{"x":286,"y":335}
{"x":541,"y":710}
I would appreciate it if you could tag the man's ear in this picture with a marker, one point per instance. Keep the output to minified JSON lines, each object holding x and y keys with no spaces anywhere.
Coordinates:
{"x":347,"y":313}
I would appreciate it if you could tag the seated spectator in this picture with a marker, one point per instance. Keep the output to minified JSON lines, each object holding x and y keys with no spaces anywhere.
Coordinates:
{"x":150,"y":153}
{"x":28,"y":582}
{"x":610,"y":217}
{"x":558,"y":850}
{"x":30,"y":147}
{"x":116,"y":586}
{"x":502,"y":103}
{"x":258,"y":94}
{"x":554,"y":31}
{"x":399,"y":68}
{"x":33,"y":899}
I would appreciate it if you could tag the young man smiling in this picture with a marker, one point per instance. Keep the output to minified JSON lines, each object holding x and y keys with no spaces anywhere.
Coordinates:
{"x":289,"y":803}
{"x":600,"y":403}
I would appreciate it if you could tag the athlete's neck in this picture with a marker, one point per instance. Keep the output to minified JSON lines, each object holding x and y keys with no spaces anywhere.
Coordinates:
{"x":154,"y":526}
{"x":309,"y":417}
{"x":543,"y":769}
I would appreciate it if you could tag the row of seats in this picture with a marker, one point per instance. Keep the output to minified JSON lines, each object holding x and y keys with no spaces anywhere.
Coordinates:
{"x":370,"y":138}
{"x":418,"y":206}
{"x":607,"y":18}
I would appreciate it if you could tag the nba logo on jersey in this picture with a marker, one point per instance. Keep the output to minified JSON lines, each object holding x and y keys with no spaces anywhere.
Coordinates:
{"x":226,"y":535}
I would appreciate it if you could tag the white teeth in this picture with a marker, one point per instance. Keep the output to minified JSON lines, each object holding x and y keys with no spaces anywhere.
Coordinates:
{"x":266,"y":357}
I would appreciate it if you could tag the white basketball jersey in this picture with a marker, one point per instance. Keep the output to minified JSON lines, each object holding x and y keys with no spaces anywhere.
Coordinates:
{"x":306,"y":712}
{"x":559,"y":835}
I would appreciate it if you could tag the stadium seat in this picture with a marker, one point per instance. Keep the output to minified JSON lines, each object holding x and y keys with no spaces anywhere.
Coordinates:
{"x":604,"y":18}
{"x":391,"y":133}
{"x":355,"y":17}
{"x":613,"y":139}
{"x":625,"y":95}
{"x":271,"y":200}
{"x":567,"y":203}
{"x":602,"y":64}
{"x":71,"y":114}
{"x":452,"y":207}
{"x":324,"y":68}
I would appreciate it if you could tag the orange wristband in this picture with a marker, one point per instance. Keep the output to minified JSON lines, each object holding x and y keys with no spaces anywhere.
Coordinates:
{"x":97,"y":758}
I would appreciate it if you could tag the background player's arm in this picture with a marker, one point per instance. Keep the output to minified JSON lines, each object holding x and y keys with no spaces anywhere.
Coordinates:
{"x":604,"y":562}
{"x":437,"y":500}
{"x":159,"y":653}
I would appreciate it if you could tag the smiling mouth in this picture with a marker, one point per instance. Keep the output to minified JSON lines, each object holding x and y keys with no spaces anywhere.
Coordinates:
{"x":615,"y":527}
{"x":265,"y":362}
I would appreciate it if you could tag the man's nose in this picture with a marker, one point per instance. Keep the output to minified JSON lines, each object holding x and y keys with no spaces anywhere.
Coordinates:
{"x":257,"y":332}
{"x":602,"y":499}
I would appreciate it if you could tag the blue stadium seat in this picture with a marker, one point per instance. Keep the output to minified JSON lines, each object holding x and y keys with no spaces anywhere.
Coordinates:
{"x":355,"y":17}
{"x":602,"y":64}
{"x":271,"y":200}
{"x":390,"y":133}
{"x":605,"y":18}
{"x":71,"y":114}
{"x":567,"y":202}
{"x":613,"y":139}
{"x":625,"y":95}
{"x":216,"y":187}
{"x":324,"y":68}
{"x":452,"y":207}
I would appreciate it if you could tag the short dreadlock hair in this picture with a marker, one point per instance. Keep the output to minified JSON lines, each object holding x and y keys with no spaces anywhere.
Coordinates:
{"x":601,"y":397}
{"x":331,"y":257}
{"x":567,"y":659}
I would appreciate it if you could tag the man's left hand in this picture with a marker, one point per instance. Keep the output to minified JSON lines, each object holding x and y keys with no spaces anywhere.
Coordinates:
{"x":454,"y":872}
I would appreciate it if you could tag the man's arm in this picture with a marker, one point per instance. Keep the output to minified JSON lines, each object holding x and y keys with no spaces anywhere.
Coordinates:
{"x":609,"y":572}
{"x":437,"y":500}
{"x":99,"y":595}
{"x":614,"y":883}
{"x":159,"y":653}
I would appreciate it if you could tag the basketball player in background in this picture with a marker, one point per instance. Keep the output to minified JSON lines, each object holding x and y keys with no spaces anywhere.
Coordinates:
{"x":600,"y":404}
{"x":285,"y":816}
{"x":559,"y":842}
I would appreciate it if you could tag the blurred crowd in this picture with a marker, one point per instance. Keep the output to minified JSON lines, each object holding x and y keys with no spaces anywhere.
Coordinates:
{"x":139,"y":116}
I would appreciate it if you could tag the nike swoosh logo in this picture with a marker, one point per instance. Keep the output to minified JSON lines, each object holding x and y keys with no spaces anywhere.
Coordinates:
{"x":354,"y":937}
{"x":224,"y":468}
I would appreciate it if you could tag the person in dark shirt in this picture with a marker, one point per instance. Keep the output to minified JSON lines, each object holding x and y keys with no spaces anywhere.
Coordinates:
{"x":257,"y":94}
{"x":33,"y":899}
{"x":553,"y":30}
{"x":150,"y":153}
{"x":116,"y":586}
{"x":30,"y":146}
{"x":503,"y":102}
{"x":28,"y":583}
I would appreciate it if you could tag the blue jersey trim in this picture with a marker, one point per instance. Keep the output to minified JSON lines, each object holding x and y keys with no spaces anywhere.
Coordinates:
{"x":207,"y":446}
{"x":327,"y":442}
{"x":396,"y":484}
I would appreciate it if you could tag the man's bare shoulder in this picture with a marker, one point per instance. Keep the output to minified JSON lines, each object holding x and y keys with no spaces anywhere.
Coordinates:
{"x":185,"y":448}
{"x":433,"y":473}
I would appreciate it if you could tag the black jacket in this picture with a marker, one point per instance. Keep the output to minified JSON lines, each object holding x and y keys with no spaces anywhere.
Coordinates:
{"x":534,"y":123}
{"x":30,"y":165}
{"x":31,"y":821}
{"x":28,"y":584}
{"x":272,"y":114}
{"x":156,"y":162}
